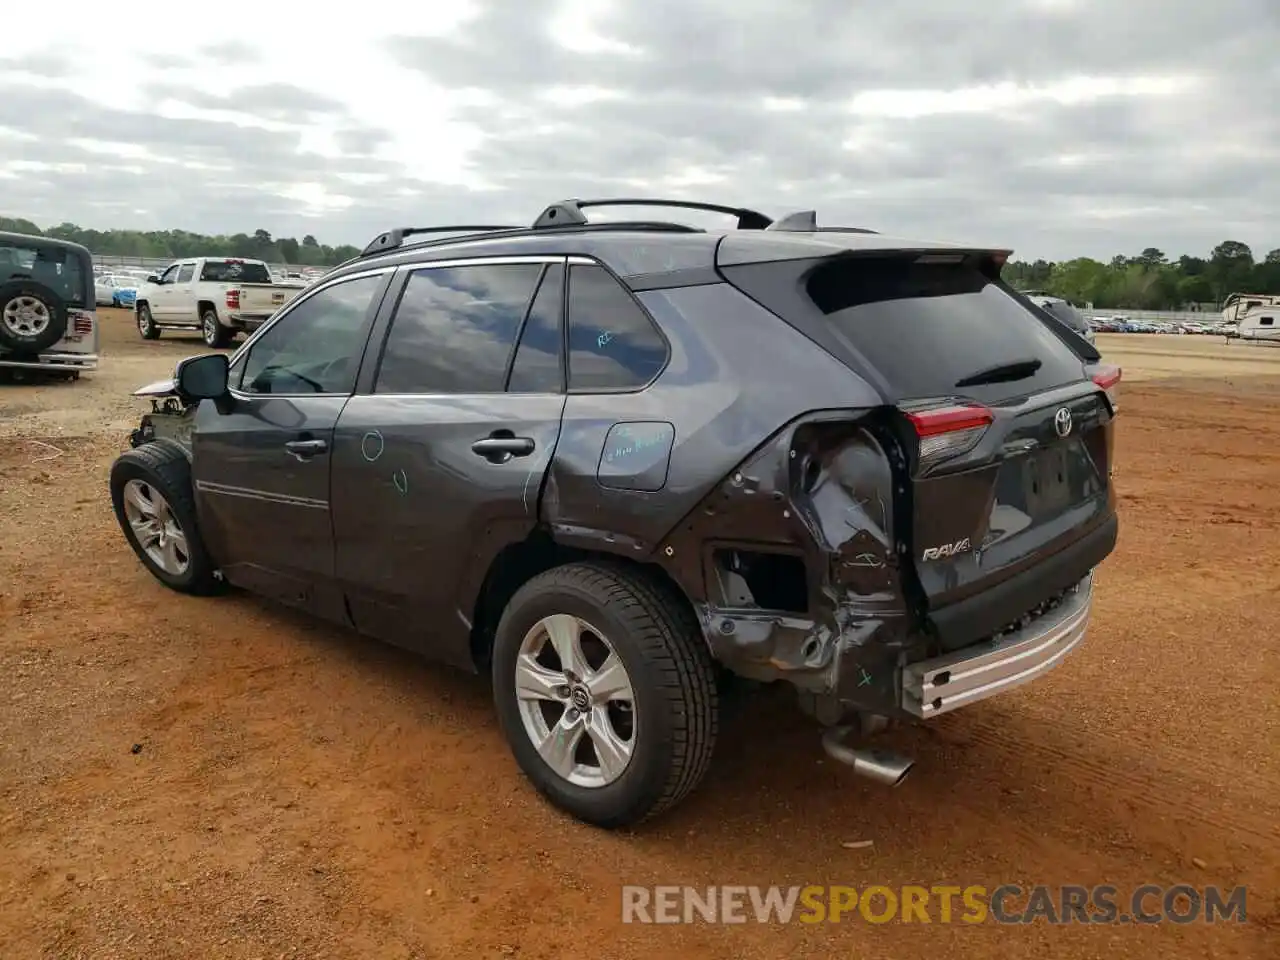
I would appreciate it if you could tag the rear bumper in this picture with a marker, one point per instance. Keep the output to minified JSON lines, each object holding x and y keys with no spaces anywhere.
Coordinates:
{"x":54,"y":361}
{"x":944,"y":683}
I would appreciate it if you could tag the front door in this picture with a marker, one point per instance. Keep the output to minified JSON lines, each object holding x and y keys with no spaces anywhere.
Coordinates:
{"x":160,"y":295}
{"x":262,"y":467}
{"x":440,"y":457}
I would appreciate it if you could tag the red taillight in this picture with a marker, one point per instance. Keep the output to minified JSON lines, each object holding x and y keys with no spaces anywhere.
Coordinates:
{"x":948,"y":431}
{"x":1107,"y":376}
{"x":233,"y":299}
{"x":82,"y":324}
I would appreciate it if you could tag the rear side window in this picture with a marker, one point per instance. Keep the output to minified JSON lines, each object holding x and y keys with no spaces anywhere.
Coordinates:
{"x":234,"y":271}
{"x":539,"y":358}
{"x":926,"y":326}
{"x":455,"y":328}
{"x":65,"y":271}
{"x":613,"y":345}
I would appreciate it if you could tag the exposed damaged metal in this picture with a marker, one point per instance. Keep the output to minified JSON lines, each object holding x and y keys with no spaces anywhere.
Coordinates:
{"x":817,"y":499}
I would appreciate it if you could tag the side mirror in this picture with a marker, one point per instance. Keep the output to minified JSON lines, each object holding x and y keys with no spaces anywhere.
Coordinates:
{"x":153,"y":278}
{"x":203,"y":377}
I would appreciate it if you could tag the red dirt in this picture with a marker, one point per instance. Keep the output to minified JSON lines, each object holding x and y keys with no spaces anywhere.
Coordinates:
{"x":302,"y":792}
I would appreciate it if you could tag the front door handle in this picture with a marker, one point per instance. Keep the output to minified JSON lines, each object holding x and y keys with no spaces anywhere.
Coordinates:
{"x":501,"y":446}
{"x":306,"y":449}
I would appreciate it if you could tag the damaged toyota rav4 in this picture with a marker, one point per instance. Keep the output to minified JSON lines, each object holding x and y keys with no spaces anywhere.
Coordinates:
{"x":618,"y":464}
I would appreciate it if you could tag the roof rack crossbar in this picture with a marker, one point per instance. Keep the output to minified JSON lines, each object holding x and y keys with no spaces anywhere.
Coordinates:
{"x":569,"y":212}
{"x":393,"y":239}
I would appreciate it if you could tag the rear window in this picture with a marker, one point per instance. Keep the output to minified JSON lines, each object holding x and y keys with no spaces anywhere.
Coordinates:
{"x":235,"y":271}
{"x":68,"y":273}
{"x":926,"y":326}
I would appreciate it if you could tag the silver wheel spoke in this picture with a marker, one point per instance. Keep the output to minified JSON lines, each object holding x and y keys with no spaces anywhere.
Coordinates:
{"x":136,"y":494}
{"x":536,"y":682}
{"x":566,"y":636}
{"x":611,"y":750}
{"x":159,"y":534}
{"x":610,"y":682}
{"x":584,"y":693}
{"x":561,"y":742}
{"x":147,"y":531}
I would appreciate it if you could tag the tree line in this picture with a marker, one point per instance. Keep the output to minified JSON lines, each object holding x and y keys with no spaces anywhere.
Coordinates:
{"x":179,"y":244}
{"x":1149,"y":281}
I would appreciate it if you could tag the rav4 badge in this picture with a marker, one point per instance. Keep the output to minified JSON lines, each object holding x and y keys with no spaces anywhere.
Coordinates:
{"x":946,"y":550}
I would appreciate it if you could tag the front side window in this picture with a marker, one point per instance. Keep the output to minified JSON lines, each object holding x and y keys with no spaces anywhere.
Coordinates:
{"x":455,"y":327}
{"x":316,"y":346}
{"x":169,"y":275}
{"x":613,"y":345}
{"x":186,"y":272}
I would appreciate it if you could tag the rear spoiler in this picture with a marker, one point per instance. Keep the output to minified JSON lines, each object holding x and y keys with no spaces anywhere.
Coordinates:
{"x":768,"y":247}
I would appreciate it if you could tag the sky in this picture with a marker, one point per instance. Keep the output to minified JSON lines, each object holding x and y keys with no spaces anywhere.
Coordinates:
{"x":1059,"y":128}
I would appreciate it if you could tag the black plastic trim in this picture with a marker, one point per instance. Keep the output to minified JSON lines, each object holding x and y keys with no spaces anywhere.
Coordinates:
{"x":975,"y":618}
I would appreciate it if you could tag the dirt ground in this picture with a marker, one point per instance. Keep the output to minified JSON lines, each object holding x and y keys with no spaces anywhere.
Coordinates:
{"x":217,"y":778}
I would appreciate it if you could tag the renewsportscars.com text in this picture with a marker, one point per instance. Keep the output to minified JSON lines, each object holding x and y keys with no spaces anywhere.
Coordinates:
{"x":1005,"y":904}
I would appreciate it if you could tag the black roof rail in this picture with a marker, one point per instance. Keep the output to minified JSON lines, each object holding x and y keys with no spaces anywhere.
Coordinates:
{"x":569,"y":213}
{"x":393,"y":239}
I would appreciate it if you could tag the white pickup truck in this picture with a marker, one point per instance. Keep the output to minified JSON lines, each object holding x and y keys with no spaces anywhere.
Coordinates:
{"x":218,"y":296}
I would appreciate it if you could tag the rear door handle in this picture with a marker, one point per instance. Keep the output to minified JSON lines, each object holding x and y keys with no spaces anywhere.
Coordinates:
{"x":500,"y":449}
{"x":306,"y":449}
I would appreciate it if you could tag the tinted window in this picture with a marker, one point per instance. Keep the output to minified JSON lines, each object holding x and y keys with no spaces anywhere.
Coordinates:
{"x":234,"y":271}
{"x":185,"y":272}
{"x":316,"y":346}
{"x":537,"y":364}
{"x":924,"y":327}
{"x":612,"y":343}
{"x":66,"y":272}
{"x":455,"y":327}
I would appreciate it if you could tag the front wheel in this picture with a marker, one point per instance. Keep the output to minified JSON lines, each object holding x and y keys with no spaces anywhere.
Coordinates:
{"x":151,"y":493}
{"x":606,"y":692}
{"x":146,"y":323}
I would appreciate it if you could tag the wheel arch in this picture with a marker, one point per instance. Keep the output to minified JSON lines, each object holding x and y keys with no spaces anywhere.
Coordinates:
{"x":518,"y":563}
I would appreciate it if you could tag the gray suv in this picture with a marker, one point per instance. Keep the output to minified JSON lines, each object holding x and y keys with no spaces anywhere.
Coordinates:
{"x":623,"y":467}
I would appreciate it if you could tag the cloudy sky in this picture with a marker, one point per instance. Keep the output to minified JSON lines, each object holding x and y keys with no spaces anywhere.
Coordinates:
{"x":1058,"y":127}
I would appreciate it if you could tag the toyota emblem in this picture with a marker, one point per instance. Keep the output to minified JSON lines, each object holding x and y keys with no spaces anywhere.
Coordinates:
{"x":1062,"y":422}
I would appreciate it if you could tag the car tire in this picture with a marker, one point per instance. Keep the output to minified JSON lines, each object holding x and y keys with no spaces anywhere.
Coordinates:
{"x":213,"y":333}
{"x":146,"y":323}
{"x":32,"y":317}
{"x":670,"y":678}
{"x":151,"y":493}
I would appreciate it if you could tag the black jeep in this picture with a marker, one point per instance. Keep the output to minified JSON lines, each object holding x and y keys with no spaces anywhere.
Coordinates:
{"x":617,"y":464}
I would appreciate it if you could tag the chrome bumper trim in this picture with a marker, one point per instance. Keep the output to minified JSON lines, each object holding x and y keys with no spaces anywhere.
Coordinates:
{"x":936,"y":686}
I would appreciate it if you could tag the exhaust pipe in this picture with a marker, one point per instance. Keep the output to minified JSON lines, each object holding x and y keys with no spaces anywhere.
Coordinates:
{"x":882,"y":766}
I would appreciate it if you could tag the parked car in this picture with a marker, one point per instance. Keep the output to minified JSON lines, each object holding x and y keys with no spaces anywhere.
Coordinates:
{"x":619,"y":465}
{"x":115,"y":290}
{"x":48,"y":317}
{"x":218,"y":296}
{"x":1064,"y":311}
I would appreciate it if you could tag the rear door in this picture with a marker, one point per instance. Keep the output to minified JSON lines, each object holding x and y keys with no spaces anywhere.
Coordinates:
{"x":440,"y":457}
{"x":1008,"y":437}
{"x":262,"y":467}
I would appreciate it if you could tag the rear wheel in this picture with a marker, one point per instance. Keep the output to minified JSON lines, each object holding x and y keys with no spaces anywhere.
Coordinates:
{"x":606,"y":692}
{"x":215,"y":335}
{"x":151,"y":494}
{"x":146,"y":324}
